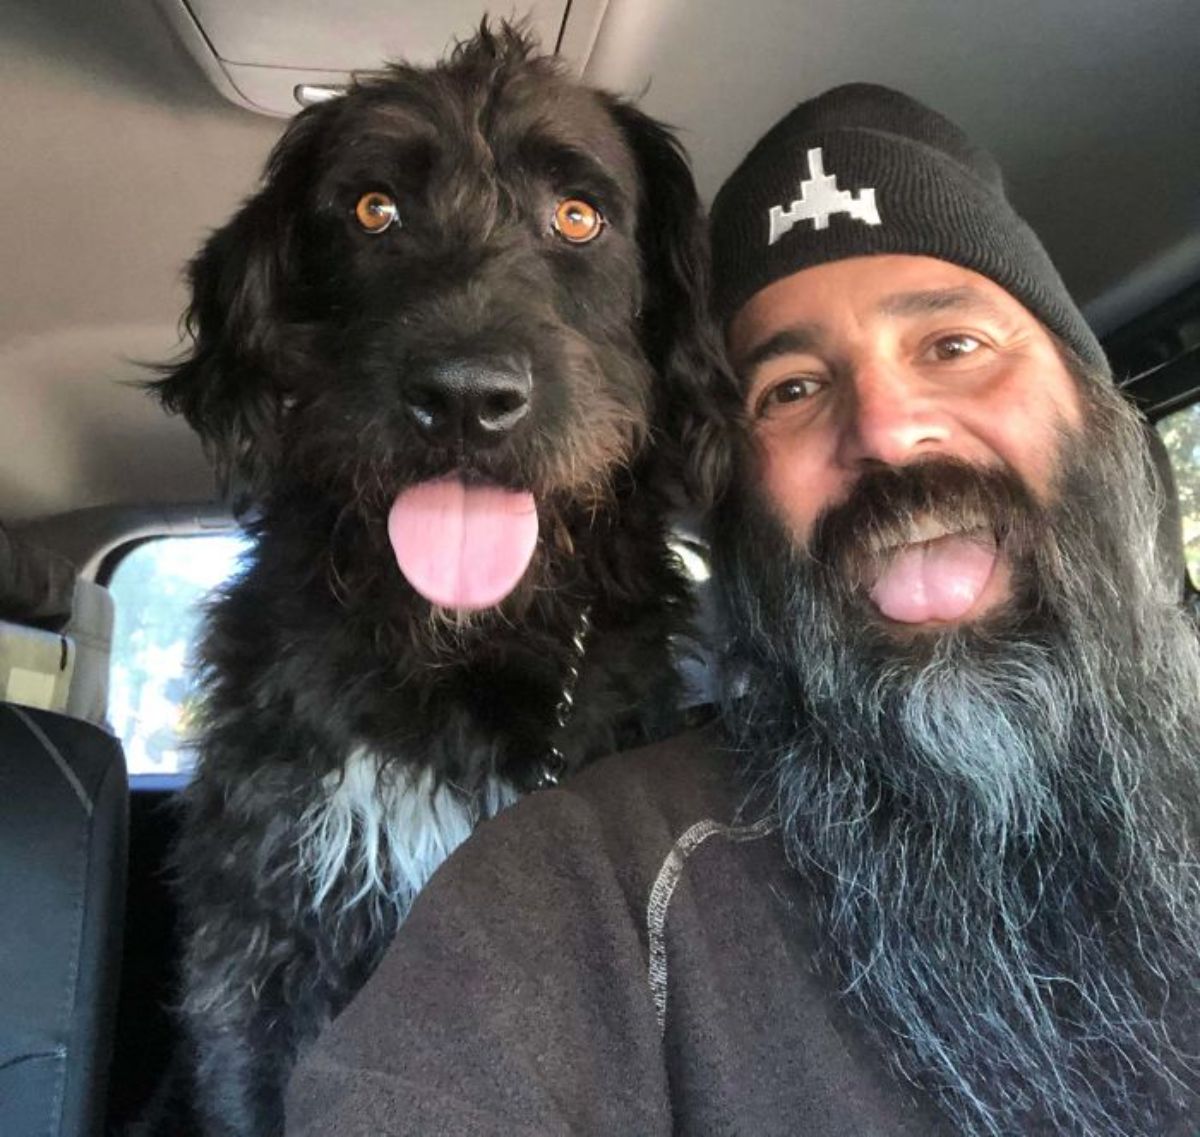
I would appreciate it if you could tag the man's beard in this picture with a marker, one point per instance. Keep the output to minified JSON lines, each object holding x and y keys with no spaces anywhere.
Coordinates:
{"x":999,"y":821}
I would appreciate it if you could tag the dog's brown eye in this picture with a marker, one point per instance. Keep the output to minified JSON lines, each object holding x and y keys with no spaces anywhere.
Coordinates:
{"x":375,"y":212}
{"x":577,"y":221}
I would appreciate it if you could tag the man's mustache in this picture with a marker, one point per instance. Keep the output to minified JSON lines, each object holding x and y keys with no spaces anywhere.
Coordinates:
{"x":891,"y":507}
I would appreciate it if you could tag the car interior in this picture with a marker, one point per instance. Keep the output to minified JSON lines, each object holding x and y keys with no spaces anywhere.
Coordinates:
{"x":131,"y":129}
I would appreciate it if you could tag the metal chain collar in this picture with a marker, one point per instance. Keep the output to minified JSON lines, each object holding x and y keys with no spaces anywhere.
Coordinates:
{"x":555,"y":764}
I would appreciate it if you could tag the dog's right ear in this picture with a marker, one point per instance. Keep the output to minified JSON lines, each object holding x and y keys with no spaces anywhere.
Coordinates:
{"x":226,"y":387}
{"x":232,"y":386}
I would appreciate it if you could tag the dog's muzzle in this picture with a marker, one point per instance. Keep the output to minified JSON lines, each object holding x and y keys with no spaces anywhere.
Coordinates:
{"x":475,"y":403}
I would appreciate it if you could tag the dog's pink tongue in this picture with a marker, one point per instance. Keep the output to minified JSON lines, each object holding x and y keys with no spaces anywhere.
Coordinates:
{"x":935,"y":580}
{"x":463,"y":546}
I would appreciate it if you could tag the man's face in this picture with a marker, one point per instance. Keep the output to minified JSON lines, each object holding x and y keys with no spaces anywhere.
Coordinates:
{"x":886,"y":362}
{"x":951,"y":663}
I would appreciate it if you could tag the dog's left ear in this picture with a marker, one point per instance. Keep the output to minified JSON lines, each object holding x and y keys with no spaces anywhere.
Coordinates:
{"x":699,"y":395}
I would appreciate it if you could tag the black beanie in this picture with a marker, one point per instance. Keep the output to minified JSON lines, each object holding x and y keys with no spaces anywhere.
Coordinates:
{"x":863,"y":169}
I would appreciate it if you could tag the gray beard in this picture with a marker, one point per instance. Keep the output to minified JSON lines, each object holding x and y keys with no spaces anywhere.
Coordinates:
{"x":1000,"y":823}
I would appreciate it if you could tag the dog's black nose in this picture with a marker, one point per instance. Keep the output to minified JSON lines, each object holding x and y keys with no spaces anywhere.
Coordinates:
{"x":475,"y":401}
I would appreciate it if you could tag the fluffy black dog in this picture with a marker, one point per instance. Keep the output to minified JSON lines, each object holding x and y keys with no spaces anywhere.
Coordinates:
{"x":433,"y":351}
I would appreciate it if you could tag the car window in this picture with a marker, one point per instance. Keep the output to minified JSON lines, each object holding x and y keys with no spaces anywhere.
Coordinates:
{"x":159,"y":589}
{"x":1180,"y":432}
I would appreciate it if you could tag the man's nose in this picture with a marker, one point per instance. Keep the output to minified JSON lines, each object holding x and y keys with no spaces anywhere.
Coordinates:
{"x":893,"y":417}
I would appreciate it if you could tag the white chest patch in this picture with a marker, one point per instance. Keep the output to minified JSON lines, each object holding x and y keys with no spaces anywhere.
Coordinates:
{"x":379,"y":831}
{"x":819,"y":199}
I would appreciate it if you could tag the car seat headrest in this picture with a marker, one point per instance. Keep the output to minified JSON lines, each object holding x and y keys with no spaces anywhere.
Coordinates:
{"x":37,"y":587}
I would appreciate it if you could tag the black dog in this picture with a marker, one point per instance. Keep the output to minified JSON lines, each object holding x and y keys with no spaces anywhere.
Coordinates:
{"x":434,"y":350}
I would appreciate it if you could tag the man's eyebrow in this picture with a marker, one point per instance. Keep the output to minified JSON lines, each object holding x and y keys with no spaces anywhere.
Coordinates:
{"x":928,"y":301}
{"x":793,"y":340}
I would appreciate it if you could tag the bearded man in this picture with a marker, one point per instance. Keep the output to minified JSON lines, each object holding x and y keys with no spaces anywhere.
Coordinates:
{"x":936,"y":867}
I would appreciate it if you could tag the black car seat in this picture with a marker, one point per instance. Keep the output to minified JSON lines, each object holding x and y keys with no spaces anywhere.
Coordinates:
{"x":63,"y":833}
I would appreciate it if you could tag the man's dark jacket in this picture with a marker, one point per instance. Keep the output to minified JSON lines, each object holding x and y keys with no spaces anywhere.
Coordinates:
{"x":626,"y":955}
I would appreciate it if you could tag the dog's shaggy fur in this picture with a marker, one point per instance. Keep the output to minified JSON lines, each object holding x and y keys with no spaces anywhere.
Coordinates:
{"x":352,"y":732}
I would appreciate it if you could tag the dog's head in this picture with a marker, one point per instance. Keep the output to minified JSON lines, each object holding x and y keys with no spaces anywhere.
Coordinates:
{"x":476,"y":275}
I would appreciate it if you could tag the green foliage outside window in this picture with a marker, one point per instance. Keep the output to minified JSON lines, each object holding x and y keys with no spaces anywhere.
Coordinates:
{"x":1180,"y":433}
{"x":159,"y":590}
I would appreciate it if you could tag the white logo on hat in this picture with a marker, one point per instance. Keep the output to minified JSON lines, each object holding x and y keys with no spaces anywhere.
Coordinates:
{"x":819,"y":199}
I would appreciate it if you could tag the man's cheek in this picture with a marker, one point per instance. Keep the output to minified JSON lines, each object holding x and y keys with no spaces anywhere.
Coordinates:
{"x":796,"y":490}
{"x":1030,"y":440}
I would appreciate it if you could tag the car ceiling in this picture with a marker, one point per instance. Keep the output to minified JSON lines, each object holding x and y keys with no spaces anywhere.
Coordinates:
{"x":119,"y":156}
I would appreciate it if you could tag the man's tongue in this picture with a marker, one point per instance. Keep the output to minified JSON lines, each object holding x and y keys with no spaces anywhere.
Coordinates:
{"x":463,"y":546}
{"x":935,"y":580}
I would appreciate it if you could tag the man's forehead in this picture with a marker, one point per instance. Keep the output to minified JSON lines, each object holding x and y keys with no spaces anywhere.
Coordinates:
{"x":796,"y":312}
{"x":922,"y":301}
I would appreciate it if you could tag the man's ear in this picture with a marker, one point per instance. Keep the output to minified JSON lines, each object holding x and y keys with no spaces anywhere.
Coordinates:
{"x":681,"y":340}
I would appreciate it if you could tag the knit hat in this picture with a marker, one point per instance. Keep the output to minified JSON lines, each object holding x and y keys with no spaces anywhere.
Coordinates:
{"x":863,"y":169}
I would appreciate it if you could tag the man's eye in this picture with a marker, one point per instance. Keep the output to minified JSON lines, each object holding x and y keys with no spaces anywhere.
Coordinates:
{"x":795,"y":390}
{"x":955,"y":347}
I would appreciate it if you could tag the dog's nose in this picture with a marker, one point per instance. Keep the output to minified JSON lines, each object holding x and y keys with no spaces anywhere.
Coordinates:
{"x":477,"y":402}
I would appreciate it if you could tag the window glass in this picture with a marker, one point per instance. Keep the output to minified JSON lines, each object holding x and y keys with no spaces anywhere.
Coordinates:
{"x":1180,"y":433}
{"x":158,"y":589}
